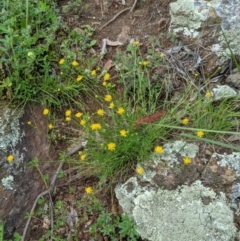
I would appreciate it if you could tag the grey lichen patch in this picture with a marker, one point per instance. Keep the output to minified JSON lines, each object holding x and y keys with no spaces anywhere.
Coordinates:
{"x":126,"y":193}
{"x":223,"y":92}
{"x":232,"y":161}
{"x":173,"y":150}
{"x":188,"y":16}
{"x":8,"y":182}
{"x":9,"y":128}
{"x":187,"y":213}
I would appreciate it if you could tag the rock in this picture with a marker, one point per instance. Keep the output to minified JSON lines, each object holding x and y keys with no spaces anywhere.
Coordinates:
{"x":199,"y":24}
{"x":173,"y":201}
{"x":187,"y":213}
{"x":223,"y":92}
{"x":234,"y":79}
{"x":20,"y":184}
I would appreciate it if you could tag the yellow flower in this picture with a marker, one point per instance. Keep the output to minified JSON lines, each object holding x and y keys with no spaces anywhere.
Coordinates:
{"x":162,"y":55}
{"x":45,"y":111}
{"x":82,"y":157}
{"x":78,"y":114}
{"x":88,"y":190}
{"x":208,"y":94}
{"x":123,"y":133}
{"x":120,"y":111}
{"x":10,"y":158}
{"x":106,"y":77}
{"x":159,"y":149}
{"x":136,"y":43}
{"x":139,"y":170}
{"x":61,"y":61}
{"x":82,"y":122}
{"x":111,"y":146}
{"x":93,"y":72}
{"x":50,"y":126}
{"x":68,"y":112}
{"x":143,"y":63}
{"x":68,"y":118}
{"x":196,"y":74}
{"x":29,"y":123}
{"x":111,"y":106}
{"x":79,"y":78}
{"x":100,"y":112}
{"x":104,"y":83}
{"x":75,"y":63}
{"x":108,"y":98}
{"x":185,"y":121}
{"x":187,"y":160}
{"x":200,"y":134}
{"x":96,"y":127}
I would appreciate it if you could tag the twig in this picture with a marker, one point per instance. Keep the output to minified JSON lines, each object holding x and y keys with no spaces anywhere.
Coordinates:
{"x":118,"y":14}
{"x":133,"y":6}
{"x":51,"y":188}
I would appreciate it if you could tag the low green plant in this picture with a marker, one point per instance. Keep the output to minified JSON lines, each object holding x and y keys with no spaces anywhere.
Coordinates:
{"x":231,"y":52}
{"x":115,"y":228}
{"x":30,"y":49}
{"x":1,"y":229}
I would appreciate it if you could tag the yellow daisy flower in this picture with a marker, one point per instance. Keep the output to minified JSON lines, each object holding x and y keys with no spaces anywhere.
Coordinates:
{"x":208,"y":94}
{"x":111,"y":106}
{"x":79,"y":78}
{"x":108,"y":98}
{"x":120,"y":111}
{"x":111,"y":146}
{"x":100,"y":112}
{"x":83,"y":157}
{"x":159,"y":149}
{"x":78,"y":114}
{"x":106,"y":77}
{"x":185,"y":121}
{"x":139,"y":170}
{"x":75,"y":63}
{"x":45,"y":111}
{"x":10,"y":158}
{"x":96,"y":127}
{"x":136,"y":43}
{"x":200,"y":134}
{"x":50,"y":126}
{"x":68,"y":112}
{"x":187,"y":160}
{"x":68,"y":118}
{"x":93,"y":72}
{"x":88,"y":190}
{"x":123,"y":133}
{"x":61,"y":61}
{"x":82,"y":122}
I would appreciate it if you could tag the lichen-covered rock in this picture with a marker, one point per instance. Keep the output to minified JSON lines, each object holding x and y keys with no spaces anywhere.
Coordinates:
{"x":187,"y":213}
{"x":223,"y":92}
{"x":20,"y":184}
{"x":200,"y":23}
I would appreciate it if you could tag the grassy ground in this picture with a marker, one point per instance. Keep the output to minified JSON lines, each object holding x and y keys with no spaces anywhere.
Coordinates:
{"x":132,"y":113}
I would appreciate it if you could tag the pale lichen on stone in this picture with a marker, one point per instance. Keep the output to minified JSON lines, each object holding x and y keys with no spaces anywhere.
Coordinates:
{"x":186,"y":17}
{"x":187,"y":213}
{"x":223,"y":92}
{"x":232,"y":161}
{"x":7,"y":182}
{"x":173,"y":150}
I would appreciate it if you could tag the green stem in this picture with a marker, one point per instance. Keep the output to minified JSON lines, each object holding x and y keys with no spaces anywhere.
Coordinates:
{"x":26,"y":13}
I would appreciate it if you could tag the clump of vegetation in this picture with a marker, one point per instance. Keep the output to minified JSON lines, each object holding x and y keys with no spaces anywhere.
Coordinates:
{"x":44,"y":61}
